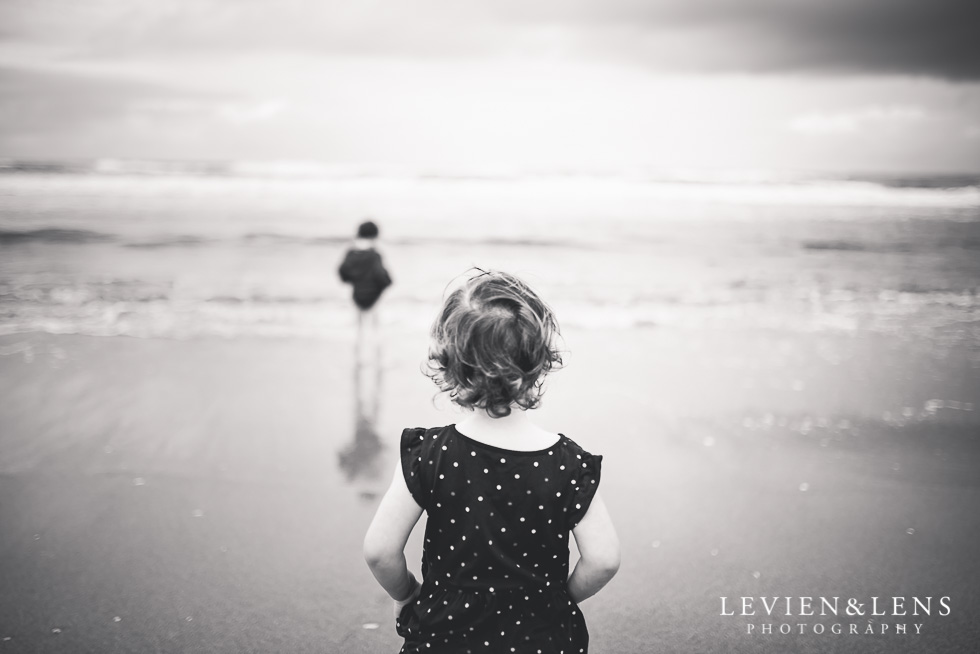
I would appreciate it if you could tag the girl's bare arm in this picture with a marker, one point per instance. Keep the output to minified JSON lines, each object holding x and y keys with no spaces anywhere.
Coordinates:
{"x":384,"y":543}
{"x":598,"y":546}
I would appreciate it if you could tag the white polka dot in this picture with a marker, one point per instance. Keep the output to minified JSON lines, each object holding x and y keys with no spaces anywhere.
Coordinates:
{"x":503,"y":460}
{"x":479,"y":498}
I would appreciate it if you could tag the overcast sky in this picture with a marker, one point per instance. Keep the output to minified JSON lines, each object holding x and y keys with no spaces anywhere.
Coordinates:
{"x":842,"y":85}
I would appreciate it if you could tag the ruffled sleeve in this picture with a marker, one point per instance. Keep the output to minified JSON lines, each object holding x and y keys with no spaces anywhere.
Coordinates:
{"x":411,"y":449}
{"x":585,"y":482}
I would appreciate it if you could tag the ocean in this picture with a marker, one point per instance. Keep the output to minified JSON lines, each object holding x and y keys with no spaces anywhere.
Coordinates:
{"x":187,"y":250}
{"x":782,"y":373}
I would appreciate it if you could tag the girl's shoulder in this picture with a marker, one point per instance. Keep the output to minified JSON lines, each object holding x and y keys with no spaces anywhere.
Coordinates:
{"x":575,"y":449}
{"x":583,"y":465}
{"x":423,"y":440}
{"x":440,"y":456}
{"x":423,"y":435}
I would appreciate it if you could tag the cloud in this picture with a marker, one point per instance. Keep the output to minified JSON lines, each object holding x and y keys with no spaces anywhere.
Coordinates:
{"x":849,"y":122}
{"x":124,"y":28}
{"x":935,"y":38}
{"x":52,"y":113}
{"x":51,"y":100}
{"x":155,"y":109}
{"x":544,"y":81}
{"x":242,"y":113}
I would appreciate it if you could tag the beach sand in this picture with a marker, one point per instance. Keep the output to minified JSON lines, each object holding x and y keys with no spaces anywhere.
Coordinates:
{"x":211,"y":495}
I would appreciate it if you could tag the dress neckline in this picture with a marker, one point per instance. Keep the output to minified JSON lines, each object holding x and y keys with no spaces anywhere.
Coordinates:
{"x":494,"y":448}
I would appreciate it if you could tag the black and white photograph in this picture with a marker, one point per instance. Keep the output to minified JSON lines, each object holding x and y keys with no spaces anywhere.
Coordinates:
{"x":489,"y":327}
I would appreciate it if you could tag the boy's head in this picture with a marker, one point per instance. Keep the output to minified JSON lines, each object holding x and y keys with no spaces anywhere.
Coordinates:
{"x":367,"y":230}
{"x":493,"y":342}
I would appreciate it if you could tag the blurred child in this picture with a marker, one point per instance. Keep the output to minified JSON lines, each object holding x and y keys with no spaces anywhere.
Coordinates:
{"x":501,"y":494}
{"x":362,"y":268}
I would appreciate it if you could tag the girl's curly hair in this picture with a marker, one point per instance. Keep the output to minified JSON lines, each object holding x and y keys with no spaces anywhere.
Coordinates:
{"x":492,"y":344}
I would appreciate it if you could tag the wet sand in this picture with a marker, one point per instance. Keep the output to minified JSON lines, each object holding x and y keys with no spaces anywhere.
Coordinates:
{"x":211,"y":495}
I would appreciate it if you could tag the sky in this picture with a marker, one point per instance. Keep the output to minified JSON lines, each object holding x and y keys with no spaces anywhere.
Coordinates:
{"x":824,"y":85}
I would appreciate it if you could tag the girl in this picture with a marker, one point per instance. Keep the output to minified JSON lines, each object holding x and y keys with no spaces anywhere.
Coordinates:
{"x":501,"y":494}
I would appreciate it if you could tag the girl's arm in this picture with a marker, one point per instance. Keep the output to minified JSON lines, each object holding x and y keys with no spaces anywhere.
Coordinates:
{"x":598,"y":546}
{"x":384,"y":543}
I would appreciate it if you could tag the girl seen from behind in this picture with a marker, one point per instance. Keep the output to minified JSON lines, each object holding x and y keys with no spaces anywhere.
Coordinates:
{"x":502,"y":495}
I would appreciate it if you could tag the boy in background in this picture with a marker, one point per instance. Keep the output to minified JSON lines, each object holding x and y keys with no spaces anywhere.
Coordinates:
{"x":362,"y":268}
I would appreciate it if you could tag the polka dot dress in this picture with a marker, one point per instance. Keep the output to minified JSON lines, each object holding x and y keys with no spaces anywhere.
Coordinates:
{"x":495,"y":555}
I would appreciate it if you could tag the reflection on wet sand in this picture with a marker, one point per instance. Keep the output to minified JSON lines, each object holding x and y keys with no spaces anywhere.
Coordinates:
{"x":360,"y":458}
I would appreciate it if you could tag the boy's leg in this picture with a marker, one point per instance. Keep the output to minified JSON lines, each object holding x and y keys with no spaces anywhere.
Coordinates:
{"x":368,"y":362}
{"x":377,"y":367}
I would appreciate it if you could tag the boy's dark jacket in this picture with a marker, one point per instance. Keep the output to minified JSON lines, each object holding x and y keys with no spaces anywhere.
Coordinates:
{"x":364,"y":270}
